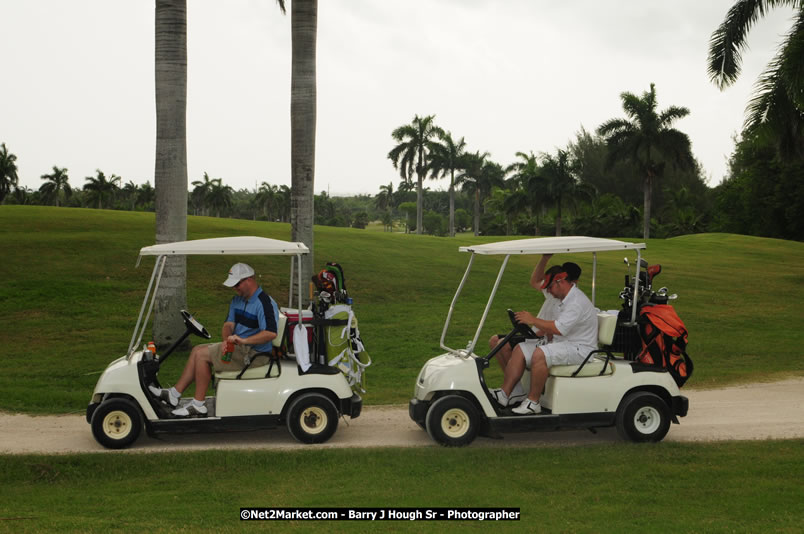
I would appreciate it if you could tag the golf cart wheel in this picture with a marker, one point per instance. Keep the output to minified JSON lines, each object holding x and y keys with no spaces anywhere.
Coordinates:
{"x":642,"y":417}
{"x":453,"y":421}
{"x":116,"y":423}
{"x":312,"y":418}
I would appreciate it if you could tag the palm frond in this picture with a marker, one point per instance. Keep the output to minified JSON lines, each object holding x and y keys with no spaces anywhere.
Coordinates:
{"x":791,"y":61}
{"x":727,"y":42}
{"x":671,"y":114}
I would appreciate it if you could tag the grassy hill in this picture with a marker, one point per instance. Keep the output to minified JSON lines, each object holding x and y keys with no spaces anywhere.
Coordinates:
{"x":70,"y":295}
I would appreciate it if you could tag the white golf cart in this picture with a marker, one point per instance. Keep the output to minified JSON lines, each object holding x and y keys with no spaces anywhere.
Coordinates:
{"x":452,"y":401}
{"x":275,"y":392}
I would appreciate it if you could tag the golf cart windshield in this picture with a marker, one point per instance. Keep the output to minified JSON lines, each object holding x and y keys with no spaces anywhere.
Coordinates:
{"x":242,"y":245}
{"x":546,"y":245}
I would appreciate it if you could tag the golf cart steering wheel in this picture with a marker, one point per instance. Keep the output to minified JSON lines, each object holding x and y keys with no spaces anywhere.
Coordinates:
{"x":194,"y":326}
{"x":522,"y":328}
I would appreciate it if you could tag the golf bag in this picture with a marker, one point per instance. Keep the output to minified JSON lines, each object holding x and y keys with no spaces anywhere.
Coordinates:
{"x":331,"y":284}
{"x":664,"y":341}
{"x":337,"y":338}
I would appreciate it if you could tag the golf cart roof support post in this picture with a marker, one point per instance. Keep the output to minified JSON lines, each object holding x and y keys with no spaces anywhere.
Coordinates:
{"x":636,"y":288}
{"x":290,"y":289}
{"x":594,"y":275}
{"x":471,"y":347}
{"x":299,"y":269}
{"x":454,"y":300}
{"x":136,"y":337}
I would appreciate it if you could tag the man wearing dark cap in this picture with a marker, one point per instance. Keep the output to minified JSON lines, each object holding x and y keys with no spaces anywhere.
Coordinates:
{"x":573,"y":332}
{"x":549,"y":311}
{"x":250,"y":327}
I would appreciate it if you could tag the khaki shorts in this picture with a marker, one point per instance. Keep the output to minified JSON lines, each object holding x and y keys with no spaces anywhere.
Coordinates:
{"x":238,"y":357}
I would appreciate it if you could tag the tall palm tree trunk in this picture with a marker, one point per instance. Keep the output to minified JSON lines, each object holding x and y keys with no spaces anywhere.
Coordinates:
{"x":170,"y":173}
{"x":477,"y":212}
{"x":304,"y":27}
{"x":452,"y":203}
{"x":646,"y":202}
{"x":419,"y":193}
{"x":419,"y":204}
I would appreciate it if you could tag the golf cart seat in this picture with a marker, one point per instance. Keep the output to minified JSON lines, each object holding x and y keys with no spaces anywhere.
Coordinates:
{"x":595,"y":364}
{"x":261,"y":371}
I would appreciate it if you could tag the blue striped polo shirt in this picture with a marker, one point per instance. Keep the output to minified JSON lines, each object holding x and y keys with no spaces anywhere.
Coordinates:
{"x":254,"y":315}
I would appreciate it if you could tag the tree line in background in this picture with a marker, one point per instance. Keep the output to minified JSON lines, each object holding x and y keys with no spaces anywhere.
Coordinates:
{"x":577,"y":189}
{"x":634,"y":176}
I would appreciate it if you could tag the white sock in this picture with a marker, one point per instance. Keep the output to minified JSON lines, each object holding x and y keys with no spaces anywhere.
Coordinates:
{"x":198,"y":403}
{"x":174,"y":393}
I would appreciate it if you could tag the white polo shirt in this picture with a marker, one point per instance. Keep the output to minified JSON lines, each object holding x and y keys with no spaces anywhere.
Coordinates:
{"x":549,"y":310}
{"x":577,"y":319}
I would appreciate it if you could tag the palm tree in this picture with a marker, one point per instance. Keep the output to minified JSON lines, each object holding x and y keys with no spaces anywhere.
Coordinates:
{"x":777,"y":106}
{"x":131,"y":191}
{"x":57,"y":186}
{"x":416,"y":142}
{"x":528,"y":176}
{"x":170,"y":169}
{"x":446,"y":160}
{"x":146,"y":196}
{"x":470,"y":178}
{"x":507,"y":202}
{"x":559,"y":174}
{"x":283,"y":203}
{"x":266,"y":199}
{"x":200,"y":194}
{"x":8,"y":172}
{"x":220,"y":197}
{"x":99,"y":189}
{"x":304,"y":29}
{"x":385,"y":198}
{"x":22,"y":195}
{"x":648,"y":140}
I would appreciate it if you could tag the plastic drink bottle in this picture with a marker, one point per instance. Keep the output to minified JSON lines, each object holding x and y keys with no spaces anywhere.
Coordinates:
{"x":228,"y":348}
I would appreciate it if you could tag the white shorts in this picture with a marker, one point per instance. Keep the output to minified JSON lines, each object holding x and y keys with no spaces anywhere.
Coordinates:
{"x":559,"y":353}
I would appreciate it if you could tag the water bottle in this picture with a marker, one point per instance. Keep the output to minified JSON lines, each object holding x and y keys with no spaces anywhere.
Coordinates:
{"x":228,"y":348}
{"x":152,"y":347}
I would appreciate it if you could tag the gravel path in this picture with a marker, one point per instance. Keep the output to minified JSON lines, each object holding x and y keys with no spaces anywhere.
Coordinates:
{"x":749,"y":412}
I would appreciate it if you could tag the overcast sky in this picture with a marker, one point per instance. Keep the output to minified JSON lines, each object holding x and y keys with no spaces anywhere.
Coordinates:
{"x":77,"y":86}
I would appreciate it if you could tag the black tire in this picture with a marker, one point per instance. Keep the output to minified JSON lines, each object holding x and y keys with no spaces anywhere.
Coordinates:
{"x":643,"y":417}
{"x":116,"y":423}
{"x":312,"y":418}
{"x":453,"y":421}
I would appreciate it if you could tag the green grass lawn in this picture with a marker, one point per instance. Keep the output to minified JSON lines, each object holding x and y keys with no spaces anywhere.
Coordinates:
{"x":668,"y":487}
{"x":70,"y":295}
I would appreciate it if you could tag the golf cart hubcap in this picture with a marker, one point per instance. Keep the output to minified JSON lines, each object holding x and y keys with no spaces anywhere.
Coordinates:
{"x":647,"y":420}
{"x":455,"y":423}
{"x":314,"y":420}
{"x":117,"y":424}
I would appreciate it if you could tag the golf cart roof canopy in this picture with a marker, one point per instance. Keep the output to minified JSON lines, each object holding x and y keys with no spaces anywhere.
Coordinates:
{"x":243,"y":245}
{"x":552,"y":245}
{"x":240,"y":245}
{"x":544,"y":245}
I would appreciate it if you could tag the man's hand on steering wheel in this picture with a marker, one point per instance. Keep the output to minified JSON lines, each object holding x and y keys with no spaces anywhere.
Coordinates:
{"x":519,"y":325}
{"x":525,"y":317}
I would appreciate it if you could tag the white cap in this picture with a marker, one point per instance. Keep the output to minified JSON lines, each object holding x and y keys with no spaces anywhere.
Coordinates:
{"x":239,"y":271}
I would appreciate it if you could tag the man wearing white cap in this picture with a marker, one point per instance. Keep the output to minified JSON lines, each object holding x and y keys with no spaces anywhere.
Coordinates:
{"x":250,"y":326}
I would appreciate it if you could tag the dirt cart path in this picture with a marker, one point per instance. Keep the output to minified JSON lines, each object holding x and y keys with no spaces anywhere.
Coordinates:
{"x":750,"y":412}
